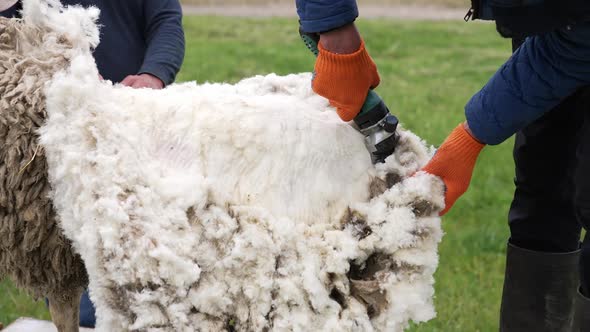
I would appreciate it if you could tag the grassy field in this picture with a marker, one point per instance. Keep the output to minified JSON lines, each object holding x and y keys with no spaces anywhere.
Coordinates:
{"x":445,"y":3}
{"x":429,"y":70}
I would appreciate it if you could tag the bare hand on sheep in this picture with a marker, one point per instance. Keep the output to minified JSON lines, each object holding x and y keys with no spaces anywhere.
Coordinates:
{"x":344,"y":71}
{"x":143,"y":81}
{"x":454,"y":162}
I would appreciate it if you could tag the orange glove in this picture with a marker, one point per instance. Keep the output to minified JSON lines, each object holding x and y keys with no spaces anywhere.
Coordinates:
{"x":345,"y":79}
{"x":454,"y":162}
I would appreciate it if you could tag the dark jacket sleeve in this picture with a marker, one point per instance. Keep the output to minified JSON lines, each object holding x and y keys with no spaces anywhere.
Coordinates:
{"x":13,"y":11}
{"x":324,"y":15}
{"x":544,"y":71}
{"x":165,"y":39}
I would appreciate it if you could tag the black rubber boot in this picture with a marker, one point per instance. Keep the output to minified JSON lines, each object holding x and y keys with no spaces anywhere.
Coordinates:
{"x":582,"y":316}
{"x":539,"y":291}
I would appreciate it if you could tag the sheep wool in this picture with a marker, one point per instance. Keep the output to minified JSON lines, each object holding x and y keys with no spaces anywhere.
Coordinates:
{"x":33,"y":251}
{"x":246,"y":207}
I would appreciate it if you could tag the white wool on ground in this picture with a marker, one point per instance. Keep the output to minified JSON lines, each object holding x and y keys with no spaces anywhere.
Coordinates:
{"x":249,"y":207}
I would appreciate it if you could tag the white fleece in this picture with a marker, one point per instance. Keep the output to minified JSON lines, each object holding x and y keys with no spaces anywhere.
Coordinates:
{"x":241,"y":207}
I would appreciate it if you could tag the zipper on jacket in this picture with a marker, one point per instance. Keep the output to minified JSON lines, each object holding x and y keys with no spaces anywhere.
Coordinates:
{"x":469,"y":14}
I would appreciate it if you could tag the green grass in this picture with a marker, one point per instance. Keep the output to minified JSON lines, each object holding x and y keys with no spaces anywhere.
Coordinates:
{"x":15,"y":303}
{"x":428,"y":71}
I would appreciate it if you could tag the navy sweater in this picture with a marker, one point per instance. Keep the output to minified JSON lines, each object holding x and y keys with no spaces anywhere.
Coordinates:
{"x":137,"y":36}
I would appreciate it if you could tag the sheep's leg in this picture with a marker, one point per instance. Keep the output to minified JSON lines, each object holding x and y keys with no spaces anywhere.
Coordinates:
{"x":65,"y":311}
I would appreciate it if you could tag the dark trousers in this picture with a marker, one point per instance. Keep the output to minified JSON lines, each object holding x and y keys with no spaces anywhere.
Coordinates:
{"x":552,"y":198}
{"x":87,"y":311}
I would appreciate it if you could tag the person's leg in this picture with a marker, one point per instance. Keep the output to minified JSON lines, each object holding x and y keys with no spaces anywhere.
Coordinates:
{"x":582,"y":208}
{"x":582,"y":196}
{"x":585,"y":267}
{"x":582,"y":314}
{"x":542,"y":215}
{"x":87,"y":312}
{"x":542,"y":256}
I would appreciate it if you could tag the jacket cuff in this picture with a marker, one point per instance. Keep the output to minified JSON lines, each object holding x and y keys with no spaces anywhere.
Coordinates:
{"x":164,"y":76}
{"x":482,"y":124}
{"x":329,"y":23}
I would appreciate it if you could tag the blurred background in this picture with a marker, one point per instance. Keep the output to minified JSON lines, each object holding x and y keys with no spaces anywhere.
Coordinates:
{"x":441,"y":3}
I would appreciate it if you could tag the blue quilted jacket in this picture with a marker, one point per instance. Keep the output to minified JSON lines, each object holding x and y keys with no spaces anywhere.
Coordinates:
{"x":324,"y":15}
{"x":551,"y":65}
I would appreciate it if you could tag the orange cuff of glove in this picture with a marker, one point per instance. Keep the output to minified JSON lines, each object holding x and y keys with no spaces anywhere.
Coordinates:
{"x":454,"y":162}
{"x":345,"y":79}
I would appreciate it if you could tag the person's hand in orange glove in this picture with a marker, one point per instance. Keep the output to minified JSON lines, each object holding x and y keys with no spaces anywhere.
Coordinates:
{"x":344,"y":71}
{"x":454,"y":162}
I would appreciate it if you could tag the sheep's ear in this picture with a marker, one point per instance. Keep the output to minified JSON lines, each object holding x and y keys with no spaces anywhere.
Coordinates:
{"x":77,"y":24}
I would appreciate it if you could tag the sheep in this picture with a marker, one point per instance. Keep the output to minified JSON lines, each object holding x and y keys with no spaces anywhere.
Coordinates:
{"x":246,"y":207}
{"x":33,"y":250}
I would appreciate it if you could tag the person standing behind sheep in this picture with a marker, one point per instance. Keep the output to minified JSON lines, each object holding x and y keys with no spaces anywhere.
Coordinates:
{"x":539,"y":94}
{"x":141,"y":46}
{"x":141,"y":41}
